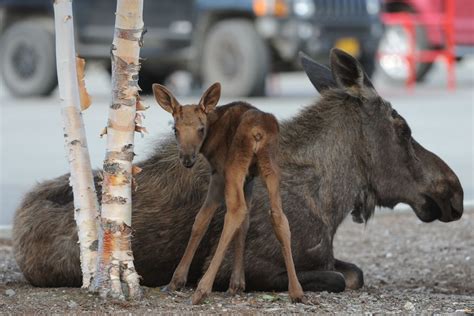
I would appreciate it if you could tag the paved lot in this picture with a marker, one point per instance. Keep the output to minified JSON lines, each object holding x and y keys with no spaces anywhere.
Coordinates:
{"x":31,"y":143}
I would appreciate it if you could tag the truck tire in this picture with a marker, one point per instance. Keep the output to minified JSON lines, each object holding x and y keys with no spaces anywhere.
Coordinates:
{"x":237,"y":57}
{"x":388,"y":42}
{"x":27,"y":57}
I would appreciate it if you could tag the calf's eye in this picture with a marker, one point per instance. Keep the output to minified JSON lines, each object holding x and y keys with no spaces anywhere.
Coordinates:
{"x":201,"y":131}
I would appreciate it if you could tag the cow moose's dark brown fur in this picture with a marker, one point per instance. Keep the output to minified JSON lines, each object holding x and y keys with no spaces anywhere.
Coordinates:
{"x":240,"y":143}
{"x":347,"y":153}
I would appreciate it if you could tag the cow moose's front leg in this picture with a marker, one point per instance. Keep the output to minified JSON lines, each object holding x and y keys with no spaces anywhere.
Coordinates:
{"x":312,"y":280}
{"x":352,"y":274}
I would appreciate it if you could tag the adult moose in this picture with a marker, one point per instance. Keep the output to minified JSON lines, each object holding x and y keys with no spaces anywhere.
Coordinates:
{"x":348,"y":152}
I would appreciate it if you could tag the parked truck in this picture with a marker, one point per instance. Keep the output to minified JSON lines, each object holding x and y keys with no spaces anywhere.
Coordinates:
{"x":236,"y":42}
{"x":428,"y":36}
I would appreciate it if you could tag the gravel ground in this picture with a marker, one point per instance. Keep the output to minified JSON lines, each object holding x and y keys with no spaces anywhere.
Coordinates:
{"x":409,"y":266}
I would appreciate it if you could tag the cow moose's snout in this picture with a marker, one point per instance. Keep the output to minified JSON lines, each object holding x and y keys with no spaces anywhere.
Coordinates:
{"x":444,"y":195}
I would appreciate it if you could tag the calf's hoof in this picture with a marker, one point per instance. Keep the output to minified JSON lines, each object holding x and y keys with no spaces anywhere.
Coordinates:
{"x":175,"y":285}
{"x":199,"y":296}
{"x":296,"y":295}
{"x":236,"y":286}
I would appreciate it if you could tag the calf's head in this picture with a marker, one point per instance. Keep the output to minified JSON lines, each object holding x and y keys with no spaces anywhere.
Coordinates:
{"x":398,"y":168}
{"x":190,"y":121}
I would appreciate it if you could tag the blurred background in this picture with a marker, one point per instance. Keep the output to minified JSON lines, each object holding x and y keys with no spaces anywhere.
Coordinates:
{"x":419,"y":53}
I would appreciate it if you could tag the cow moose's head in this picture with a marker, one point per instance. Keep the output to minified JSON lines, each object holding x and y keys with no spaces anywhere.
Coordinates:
{"x":399,"y":169}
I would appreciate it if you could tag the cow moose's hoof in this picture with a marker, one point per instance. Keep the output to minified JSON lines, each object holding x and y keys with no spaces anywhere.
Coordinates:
{"x":199,"y":296}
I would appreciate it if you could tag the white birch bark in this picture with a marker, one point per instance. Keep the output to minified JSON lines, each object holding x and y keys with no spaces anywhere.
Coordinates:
{"x":116,"y":257}
{"x":85,"y":198}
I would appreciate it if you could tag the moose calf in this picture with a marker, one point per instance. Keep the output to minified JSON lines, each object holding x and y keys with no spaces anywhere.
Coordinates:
{"x":239,"y":142}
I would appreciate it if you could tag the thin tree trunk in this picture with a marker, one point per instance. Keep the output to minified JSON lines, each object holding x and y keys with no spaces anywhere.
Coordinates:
{"x":86,"y":206}
{"x":116,"y":257}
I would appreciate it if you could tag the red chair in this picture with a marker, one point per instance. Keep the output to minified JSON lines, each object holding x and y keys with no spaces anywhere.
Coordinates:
{"x":409,"y":22}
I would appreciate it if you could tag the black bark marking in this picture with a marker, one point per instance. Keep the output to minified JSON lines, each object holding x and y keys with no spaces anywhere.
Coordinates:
{"x":129,"y":34}
{"x":110,"y":199}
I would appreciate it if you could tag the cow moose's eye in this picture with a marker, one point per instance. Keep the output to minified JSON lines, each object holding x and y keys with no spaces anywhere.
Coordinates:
{"x":405,"y":131}
{"x":175,"y":131}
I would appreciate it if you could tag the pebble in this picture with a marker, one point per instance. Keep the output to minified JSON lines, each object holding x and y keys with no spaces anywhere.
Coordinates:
{"x":409,"y":306}
{"x":10,"y":292}
{"x":71,"y":304}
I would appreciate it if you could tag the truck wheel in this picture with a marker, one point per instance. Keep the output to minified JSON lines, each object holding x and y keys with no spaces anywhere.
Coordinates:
{"x":395,"y":40}
{"x":27,"y":57}
{"x":237,"y":57}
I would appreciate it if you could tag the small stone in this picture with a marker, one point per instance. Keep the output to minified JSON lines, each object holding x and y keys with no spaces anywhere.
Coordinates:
{"x":389,"y":255}
{"x":71,"y":304}
{"x":409,"y":306}
{"x":10,"y":292}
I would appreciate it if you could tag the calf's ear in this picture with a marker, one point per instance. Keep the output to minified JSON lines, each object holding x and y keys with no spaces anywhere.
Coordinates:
{"x":319,"y":75}
{"x":210,"y":98}
{"x":165,"y":98}
{"x":349,"y":74}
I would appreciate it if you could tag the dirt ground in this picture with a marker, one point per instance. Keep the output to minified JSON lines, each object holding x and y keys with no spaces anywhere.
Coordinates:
{"x":409,"y":267}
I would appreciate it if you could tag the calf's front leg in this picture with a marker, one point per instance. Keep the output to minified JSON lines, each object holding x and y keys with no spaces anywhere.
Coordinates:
{"x":214,"y":199}
{"x":234,"y":217}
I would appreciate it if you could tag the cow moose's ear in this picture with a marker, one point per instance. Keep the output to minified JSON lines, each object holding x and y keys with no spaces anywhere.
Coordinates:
{"x":165,"y":98}
{"x":349,"y":74}
{"x":319,"y":75}
{"x":210,"y":98}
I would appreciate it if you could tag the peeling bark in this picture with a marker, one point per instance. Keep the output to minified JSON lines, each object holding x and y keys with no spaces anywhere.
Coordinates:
{"x":116,"y":257}
{"x":84,"y":96}
{"x":74,"y":97}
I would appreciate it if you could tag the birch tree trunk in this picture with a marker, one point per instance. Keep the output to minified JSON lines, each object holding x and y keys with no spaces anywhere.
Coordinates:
{"x":116,"y":257}
{"x":86,"y":208}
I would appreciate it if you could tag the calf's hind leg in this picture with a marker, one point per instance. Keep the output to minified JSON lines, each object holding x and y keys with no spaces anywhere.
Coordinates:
{"x":270,"y":174}
{"x":237,"y":279}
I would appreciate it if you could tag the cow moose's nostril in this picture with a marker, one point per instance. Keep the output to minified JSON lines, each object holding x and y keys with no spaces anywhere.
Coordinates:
{"x":457,"y":206}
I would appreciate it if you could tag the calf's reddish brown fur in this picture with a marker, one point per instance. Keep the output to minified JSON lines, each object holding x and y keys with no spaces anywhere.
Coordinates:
{"x":239,"y":142}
